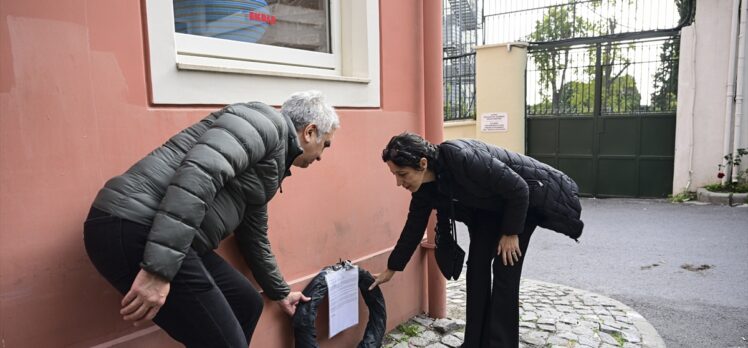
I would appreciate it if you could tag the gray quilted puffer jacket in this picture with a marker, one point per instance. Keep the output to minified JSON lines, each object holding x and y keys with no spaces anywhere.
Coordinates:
{"x":213,"y":178}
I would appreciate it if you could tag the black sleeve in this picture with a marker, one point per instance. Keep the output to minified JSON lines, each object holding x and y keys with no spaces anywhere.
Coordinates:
{"x":412,"y":234}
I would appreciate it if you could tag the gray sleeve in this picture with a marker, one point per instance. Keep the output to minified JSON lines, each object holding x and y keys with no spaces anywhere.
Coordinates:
{"x":254,"y":245}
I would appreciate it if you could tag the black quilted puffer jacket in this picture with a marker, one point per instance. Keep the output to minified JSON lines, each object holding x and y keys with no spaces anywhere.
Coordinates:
{"x":213,"y":178}
{"x":476,"y":175}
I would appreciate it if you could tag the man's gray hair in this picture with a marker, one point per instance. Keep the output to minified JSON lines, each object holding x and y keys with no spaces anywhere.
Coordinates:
{"x":309,"y":107}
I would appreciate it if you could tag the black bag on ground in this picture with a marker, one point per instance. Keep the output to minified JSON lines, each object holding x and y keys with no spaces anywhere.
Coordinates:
{"x":305,"y":333}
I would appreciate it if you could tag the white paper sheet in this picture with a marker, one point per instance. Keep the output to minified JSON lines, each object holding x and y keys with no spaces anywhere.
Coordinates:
{"x":342,"y":292}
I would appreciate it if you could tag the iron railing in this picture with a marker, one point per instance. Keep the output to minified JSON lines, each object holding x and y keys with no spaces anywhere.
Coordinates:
{"x":459,"y":87}
{"x":638,"y":40}
{"x":460,"y":35}
{"x":519,"y":20}
{"x":636,"y":77}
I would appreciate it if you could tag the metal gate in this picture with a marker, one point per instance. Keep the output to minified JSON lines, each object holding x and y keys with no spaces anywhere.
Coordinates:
{"x":595,"y":126}
{"x":601,"y":87}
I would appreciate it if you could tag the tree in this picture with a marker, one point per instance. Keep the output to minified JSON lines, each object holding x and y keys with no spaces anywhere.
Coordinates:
{"x":619,"y":90}
{"x":623,"y":96}
{"x":578,"y":97}
{"x":559,"y":23}
{"x":665,"y":95}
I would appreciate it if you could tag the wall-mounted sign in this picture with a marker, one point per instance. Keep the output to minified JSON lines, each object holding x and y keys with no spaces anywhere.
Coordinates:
{"x":494,"y":122}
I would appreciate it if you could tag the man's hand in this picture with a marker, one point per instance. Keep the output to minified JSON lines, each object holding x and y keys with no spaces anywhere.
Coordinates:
{"x":382,"y":278}
{"x":146,"y":296}
{"x":289,"y":303}
{"x":509,"y":249}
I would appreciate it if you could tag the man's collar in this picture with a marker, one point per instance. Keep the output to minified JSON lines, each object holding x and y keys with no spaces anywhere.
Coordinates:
{"x":294,"y":148}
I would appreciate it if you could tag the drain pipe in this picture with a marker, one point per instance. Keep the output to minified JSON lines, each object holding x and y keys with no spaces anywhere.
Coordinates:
{"x":740,"y":92}
{"x":692,"y":134}
{"x":730,"y":95}
{"x":434,"y":128}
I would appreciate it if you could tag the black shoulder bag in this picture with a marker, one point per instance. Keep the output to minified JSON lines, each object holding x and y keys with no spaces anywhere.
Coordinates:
{"x":449,"y":256}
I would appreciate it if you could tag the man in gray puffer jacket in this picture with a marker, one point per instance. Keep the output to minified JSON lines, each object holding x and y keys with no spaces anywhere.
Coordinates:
{"x":151,"y":231}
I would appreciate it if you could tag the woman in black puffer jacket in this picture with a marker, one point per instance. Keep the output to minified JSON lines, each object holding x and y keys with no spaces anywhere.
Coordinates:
{"x":501,"y":196}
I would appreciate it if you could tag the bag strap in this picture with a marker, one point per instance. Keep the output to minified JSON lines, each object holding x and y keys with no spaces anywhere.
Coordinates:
{"x":452,"y":208}
{"x":452,"y":218}
{"x":447,"y":176}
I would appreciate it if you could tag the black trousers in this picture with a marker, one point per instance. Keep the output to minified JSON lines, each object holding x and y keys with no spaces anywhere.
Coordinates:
{"x":210,"y":304}
{"x":492,"y":309}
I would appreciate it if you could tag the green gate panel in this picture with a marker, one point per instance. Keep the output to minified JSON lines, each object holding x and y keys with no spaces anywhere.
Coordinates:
{"x":549,"y":160}
{"x":541,"y":134}
{"x":579,"y":169}
{"x":619,"y":135}
{"x":599,"y":121}
{"x":655,"y":177}
{"x":616,"y":177}
{"x":576,"y":136}
{"x":658,"y":136}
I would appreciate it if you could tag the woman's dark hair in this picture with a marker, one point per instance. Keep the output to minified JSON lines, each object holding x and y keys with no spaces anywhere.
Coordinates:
{"x":407,"y":149}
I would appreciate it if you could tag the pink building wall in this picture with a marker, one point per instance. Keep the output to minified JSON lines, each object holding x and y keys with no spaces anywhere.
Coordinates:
{"x":75,"y":111}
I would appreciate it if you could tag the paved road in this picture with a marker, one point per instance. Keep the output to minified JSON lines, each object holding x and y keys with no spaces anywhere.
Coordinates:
{"x":639,"y":252}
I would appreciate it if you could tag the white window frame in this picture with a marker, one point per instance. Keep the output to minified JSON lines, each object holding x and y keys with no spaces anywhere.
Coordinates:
{"x":190,"y":69}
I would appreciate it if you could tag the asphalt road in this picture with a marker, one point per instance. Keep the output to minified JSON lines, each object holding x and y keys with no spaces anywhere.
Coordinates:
{"x":684,"y":267}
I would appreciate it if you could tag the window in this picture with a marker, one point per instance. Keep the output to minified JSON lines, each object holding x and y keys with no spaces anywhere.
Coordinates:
{"x":225,"y":51}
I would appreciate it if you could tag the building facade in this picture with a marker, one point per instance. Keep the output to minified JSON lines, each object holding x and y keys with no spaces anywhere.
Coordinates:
{"x":89,"y":87}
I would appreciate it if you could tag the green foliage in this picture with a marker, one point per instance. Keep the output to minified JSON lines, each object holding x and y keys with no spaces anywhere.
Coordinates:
{"x":410,"y":330}
{"x":619,"y":338}
{"x":622,"y":95}
{"x":684,"y":196}
{"x":732,"y":163}
{"x":558,"y":24}
{"x":561,"y":90}
{"x":665,"y":95}
{"x":578,"y":98}
{"x":733,"y":187}
{"x":463,"y":111}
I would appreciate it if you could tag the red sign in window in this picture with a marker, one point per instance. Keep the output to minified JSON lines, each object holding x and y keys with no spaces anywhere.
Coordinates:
{"x":261,"y":17}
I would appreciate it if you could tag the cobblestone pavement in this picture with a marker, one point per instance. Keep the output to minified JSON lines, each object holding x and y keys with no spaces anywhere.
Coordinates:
{"x":551,"y":315}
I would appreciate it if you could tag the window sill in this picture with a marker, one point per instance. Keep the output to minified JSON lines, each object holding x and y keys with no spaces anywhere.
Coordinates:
{"x":250,"y":71}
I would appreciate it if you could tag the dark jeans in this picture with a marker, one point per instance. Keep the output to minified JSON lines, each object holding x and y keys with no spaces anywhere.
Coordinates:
{"x":210,"y":304}
{"x":492,"y":315}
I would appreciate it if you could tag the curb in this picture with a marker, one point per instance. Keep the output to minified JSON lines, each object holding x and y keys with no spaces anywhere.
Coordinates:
{"x":650,"y":337}
{"x":725,"y":198}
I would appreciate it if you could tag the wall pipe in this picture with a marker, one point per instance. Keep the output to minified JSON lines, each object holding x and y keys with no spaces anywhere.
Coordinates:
{"x":692,"y":109}
{"x":434,"y":132}
{"x":740,"y":92}
{"x":730,"y":93}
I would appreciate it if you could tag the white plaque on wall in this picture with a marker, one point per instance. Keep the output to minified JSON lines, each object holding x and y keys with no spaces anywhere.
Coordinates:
{"x":494,"y":122}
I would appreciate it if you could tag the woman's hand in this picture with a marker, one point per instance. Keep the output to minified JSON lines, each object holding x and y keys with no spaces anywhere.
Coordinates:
{"x":382,"y":278}
{"x":509,"y":249}
{"x":145,"y":298}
